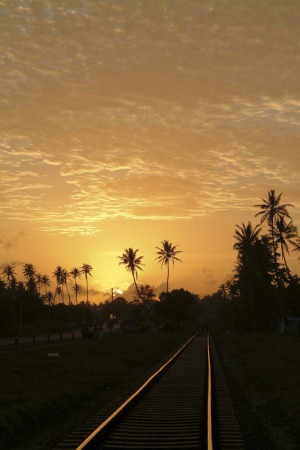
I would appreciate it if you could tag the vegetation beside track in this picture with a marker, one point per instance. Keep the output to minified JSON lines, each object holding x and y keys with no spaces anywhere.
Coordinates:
{"x":43,"y":397}
{"x":272,"y":362}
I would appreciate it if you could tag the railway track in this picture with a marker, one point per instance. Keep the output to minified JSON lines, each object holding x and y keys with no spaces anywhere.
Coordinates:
{"x":185,"y":404}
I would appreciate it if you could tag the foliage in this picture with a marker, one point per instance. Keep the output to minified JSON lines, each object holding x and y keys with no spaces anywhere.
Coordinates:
{"x":147,"y":294}
{"x":132,"y":264}
{"x":166,"y":254}
{"x":263,"y":290}
{"x":173,"y":306}
{"x":272,"y":212}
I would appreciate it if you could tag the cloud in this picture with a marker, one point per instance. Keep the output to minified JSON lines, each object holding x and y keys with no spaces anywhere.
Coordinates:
{"x":157,"y":116}
{"x":11,"y":242}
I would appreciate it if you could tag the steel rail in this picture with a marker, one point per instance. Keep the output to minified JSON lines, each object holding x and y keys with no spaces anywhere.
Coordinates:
{"x":184,"y":404}
{"x":119,"y":411}
{"x":209,"y":400}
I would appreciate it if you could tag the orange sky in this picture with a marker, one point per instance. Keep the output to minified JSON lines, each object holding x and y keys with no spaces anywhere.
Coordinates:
{"x":125,"y":123}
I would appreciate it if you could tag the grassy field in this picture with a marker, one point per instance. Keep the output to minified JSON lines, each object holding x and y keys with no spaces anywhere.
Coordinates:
{"x":273,"y":363}
{"x":42,"y":398}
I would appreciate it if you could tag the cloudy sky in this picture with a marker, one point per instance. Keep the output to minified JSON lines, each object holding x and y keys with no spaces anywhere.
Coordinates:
{"x":127,"y":122}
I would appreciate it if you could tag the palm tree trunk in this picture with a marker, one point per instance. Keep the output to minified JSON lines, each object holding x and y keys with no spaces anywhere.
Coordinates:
{"x":49,"y":309}
{"x":284,"y":259}
{"x":87,"y":288}
{"x":75,"y":289}
{"x":253,"y":311}
{"x":68,"y":293}
{"x":168,"y":274}
{"x":274,"y":251}
{"x":136,"y":286}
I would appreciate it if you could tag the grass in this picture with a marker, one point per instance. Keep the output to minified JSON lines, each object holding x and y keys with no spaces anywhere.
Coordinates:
{"x":273,"y":363}
{"x":45,"y":397}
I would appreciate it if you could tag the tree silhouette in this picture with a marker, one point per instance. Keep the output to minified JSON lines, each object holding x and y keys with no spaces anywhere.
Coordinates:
{"x":49,"y":299}
{"x":64,"y":280}
{"x":284,"y":234}
{"x":77,"y":290}
{"x":38,"y":279}
{"x":166,"y":254}
{"x":8,"y":271}
{"x":147,"y":293}
{"x":132,"y":263}
{"x":86,"y":270}
{"x":245,"y":236}
{"x":254,"y":269}
{"x":296,"y":244}
{"x":272,"y":210}
{"x":45,"y":281}
{"x":59,"y":275}
{"x":175,"y":304}
{"x":75,"y":273}
{"x":29,"y":273}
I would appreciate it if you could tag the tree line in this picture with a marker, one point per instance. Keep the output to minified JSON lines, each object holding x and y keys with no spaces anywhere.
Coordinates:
{"x":262,"y":289}
{"x":26,"y":300}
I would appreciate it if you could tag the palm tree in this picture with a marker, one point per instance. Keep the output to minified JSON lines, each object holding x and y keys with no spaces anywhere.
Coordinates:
{"x":59,"y":292}
{"x":64,"y":281}
{"x":38,"y":278}
{"x":284,"y":233}
{"x":58,"y":273}
{"x":49,"y":298}
{"x":254,"y":269}
{"x":272,"y":210}
{"x":166,"y":254}
{"x":8,"y":271}
{"x":296,"y":244}
{"x":77,"y":289}
{"x":132,"y":263}
{"x":86,"y":270}
{"x":29,"y":273}
{"x":245,"y":236}
{"x":75,"y":273}
{"x":45,"y":281}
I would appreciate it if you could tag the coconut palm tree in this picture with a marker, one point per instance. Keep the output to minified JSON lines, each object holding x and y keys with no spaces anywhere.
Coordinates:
{"x":59,"y":292}
{"x":284,"y":234}
{"x":272,"y":210}
{"x":64,"y":281}
{"x":45,"y":281}
{"x":77,"y":289}
{"x":75,"y":273}
{"x":38,"y":279}
{"x":245,"y":236}
{"x":132,"y":263}
{"x":58,"y":273}
{"x":166,"y":254}
{"x":8,"y":271}
{"x":86,"y":270}
{"x":49,"y":298}
{"x":296,"y":244}
{"x":29,"y":273}
{"x":254,"y":269}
